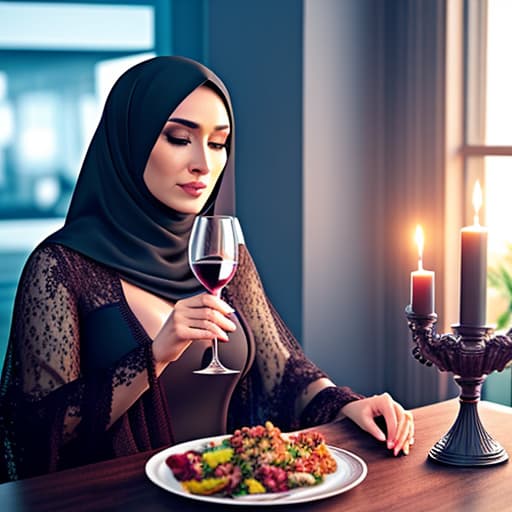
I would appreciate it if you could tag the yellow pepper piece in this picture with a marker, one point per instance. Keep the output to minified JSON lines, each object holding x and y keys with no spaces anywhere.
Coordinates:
{"x":253,"y":486}
{"x":206,"y":486}
{"x":213,"y":459}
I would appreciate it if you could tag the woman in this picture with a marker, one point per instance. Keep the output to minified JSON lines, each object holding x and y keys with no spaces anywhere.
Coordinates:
{"x":109,"y":321}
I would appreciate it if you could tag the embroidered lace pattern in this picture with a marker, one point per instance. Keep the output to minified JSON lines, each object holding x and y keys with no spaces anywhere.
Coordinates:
{"x":44,"y":395}
{"x":53,"y":416}
{"x":281,"y":371}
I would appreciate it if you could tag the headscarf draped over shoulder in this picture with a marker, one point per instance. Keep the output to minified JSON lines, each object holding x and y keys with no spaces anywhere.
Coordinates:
{"x":113,"y":218}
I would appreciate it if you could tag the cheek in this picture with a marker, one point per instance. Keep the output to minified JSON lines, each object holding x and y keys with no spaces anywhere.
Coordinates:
{"x":217,"y":169}
{"x":220,"y":163}
{"x":160,"y":160}
{"x":161,"y":164}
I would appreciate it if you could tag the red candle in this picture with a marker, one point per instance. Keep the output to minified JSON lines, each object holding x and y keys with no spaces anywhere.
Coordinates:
{"x":422,"y":283}
{"x":473,"y":268}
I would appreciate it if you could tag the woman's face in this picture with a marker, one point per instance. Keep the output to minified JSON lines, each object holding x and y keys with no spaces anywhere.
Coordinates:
{"x":190,"y":152}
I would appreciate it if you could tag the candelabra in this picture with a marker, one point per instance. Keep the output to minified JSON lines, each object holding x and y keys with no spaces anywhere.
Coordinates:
{"x":471,"y":353}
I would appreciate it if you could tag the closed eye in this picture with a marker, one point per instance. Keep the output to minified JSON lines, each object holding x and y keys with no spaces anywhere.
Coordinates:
{"x":217,"y":145}
{"x":177,"y":141}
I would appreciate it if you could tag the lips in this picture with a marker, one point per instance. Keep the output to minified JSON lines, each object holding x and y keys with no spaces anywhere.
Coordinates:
{"x":194,"y":188}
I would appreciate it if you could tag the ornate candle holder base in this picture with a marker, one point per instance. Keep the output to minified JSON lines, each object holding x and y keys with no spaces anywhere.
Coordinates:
{"x":471,"y":354}
{"x":467,"y":443}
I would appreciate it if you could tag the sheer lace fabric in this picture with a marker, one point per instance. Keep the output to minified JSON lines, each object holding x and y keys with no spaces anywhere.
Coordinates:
{"x":54,"y":412}
{"x":281,"y":371}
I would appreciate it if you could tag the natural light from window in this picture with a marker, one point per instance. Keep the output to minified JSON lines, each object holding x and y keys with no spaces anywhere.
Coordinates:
{"x":498,"y":132}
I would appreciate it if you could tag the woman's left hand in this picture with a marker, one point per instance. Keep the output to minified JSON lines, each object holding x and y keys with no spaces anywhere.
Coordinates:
{"x":399,"y":422}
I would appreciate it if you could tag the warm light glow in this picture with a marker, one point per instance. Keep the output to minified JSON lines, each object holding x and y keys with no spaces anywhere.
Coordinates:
{"x":419,"y":238}
{"x":498,"y":208}
{"x":477,"y":201}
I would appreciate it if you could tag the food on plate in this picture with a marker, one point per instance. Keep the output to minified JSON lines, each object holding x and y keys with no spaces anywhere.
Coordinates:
{"x":254,"y":460}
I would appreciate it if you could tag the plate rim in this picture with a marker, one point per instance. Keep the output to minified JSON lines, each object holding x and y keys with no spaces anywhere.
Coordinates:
{"x":153,"y":462}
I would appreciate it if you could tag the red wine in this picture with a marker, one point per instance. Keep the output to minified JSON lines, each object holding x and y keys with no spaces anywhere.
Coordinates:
{"x":213,"y":272}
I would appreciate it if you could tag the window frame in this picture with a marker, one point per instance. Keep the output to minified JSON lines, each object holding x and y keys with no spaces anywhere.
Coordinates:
{"x":499,"y":385}
{"x":475,"y":48}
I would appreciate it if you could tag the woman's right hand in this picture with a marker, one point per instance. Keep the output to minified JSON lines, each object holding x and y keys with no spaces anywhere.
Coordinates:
{"x":201,"y":317}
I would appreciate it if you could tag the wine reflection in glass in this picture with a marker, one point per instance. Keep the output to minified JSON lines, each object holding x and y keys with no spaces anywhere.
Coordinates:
{"x":213,"y":257}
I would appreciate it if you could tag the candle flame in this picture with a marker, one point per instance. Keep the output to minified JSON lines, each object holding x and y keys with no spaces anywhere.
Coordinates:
{"x":419,"y":238}
{"x":477,"y":202}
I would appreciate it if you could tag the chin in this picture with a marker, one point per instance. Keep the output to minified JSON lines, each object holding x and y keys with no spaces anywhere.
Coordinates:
{"x":191,"y":209}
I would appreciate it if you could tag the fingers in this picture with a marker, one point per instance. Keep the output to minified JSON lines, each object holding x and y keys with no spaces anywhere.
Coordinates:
{"x":363,"y":413}
{"x":399,"y":424}
{"x":209,"y":320}
{"x":405,"y":433}
{"x":385,"y":407}
{"x":203,"y":316}
{"x":372,"y":428}
{"x":206,"y":300}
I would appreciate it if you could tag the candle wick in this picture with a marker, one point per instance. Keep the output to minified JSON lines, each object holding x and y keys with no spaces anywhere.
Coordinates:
{"x":476,"y":220}
{"x":420,"y":263}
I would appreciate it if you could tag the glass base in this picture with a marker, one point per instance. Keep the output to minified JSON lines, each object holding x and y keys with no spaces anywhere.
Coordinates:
{"x":215,"y":368}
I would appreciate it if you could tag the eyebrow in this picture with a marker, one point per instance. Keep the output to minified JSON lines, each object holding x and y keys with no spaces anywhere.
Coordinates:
{"x":193,"y":125}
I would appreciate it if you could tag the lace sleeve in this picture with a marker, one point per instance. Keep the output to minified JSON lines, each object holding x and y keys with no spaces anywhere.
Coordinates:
{"x":282,"y":371}
{"x":326,"y":405}
{"x":45,"y":400}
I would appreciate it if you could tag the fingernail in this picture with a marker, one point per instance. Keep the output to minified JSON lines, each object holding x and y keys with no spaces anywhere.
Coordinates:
{"x":390,"y":444}
{"x":406,"y":449}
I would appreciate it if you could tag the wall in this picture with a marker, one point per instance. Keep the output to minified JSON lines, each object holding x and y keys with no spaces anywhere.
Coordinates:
{"x":298,"y":74}
{"x":256,"y":47}
{"x":339,"y":185}
{"x":337,"y":144}
{"x":340,"y":116}
{"x":301,"y":78}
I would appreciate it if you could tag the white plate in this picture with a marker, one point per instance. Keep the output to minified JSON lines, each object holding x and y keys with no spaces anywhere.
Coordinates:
{"x":351,"y":471}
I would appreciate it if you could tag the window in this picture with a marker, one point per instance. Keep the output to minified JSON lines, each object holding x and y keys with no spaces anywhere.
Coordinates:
{"x":53,"y":78}
{"x":57,"y":62}
{"x":488,"y":149}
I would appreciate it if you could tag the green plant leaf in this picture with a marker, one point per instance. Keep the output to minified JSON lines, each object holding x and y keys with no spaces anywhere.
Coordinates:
{"x":500,"y":278}
{"x":507,"y":279}
{"x":503,"y":319}
{"x":494,"y":279}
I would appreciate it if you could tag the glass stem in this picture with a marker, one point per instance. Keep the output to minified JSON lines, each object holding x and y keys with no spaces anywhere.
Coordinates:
{"x":215,"y":341}
{"x":215,"y":350}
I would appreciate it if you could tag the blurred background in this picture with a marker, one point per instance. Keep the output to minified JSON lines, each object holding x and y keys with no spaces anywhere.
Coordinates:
{"x":356,"y":120}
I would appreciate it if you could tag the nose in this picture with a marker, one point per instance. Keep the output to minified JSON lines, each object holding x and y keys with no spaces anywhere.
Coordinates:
{"x":199,"y":162}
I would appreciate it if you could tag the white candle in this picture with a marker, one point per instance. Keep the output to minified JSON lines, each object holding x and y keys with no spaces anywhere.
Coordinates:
{"x":473,"y":268}
{"x":422,"y":282}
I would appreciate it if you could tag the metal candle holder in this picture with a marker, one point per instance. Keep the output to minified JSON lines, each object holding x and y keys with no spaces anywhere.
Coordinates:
{"x":471,"y":353}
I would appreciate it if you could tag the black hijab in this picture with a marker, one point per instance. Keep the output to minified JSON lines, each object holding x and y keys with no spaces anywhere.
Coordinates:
{"x":113,"y":218}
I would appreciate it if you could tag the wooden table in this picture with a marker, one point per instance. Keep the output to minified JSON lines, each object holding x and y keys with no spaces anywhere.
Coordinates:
{"x":410,"y":483}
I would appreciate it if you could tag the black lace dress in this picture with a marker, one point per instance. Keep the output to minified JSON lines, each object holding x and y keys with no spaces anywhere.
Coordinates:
{"x":74,"y":340}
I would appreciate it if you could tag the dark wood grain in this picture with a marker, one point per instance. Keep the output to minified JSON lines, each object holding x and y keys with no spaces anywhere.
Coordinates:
{"x":393,"y":483}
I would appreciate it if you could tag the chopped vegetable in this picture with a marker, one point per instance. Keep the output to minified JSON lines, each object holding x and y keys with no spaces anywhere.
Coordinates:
{"x":254,"y":460}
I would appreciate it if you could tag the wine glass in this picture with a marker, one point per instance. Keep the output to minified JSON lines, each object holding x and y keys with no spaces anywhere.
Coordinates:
{"x":213,"y":257}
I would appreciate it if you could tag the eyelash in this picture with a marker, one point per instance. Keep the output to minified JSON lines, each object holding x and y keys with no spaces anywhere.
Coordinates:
{"x":178,"y":141}
{"x":217,"y":145}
